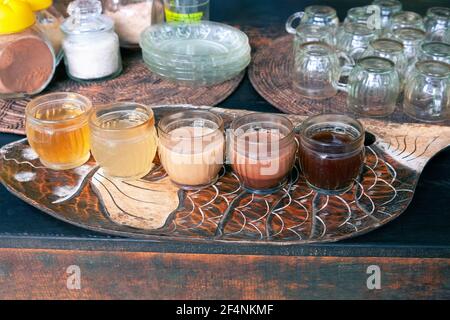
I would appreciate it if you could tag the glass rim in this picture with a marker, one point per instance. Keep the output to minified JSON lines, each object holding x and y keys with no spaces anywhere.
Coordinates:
{"x":435,"y":11}
{"x":410,"y":30}
{"x":387,"y":40}
{"x":93,"y":116}
{"x":310,"y":121}
{"x":408,"y":14}
{"x":432,"y":44}
{"x":317,"y":43}
{"x":58,"y":97}
{"x":420,"y":64}
{"x":178,"y":116}
{"x":390,"y":63}
{"x":234,"y":130}
{"x":332,"y":11}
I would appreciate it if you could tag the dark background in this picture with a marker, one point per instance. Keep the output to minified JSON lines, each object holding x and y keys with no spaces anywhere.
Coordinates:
{"x":423,"y":230}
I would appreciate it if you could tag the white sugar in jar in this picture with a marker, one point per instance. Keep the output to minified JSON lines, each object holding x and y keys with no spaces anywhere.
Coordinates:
{"x":91,"y":47}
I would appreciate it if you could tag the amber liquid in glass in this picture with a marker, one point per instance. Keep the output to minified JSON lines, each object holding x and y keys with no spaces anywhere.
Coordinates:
{"x":61,"y":145}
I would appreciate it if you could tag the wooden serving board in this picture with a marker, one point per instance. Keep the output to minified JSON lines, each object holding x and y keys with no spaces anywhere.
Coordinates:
{"x":154,"y":208}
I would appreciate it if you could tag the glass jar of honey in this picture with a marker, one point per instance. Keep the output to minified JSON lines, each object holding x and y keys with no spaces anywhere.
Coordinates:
{"x":57,"y":129}
{"x":124,"y":139}
{"x":331,"y":152}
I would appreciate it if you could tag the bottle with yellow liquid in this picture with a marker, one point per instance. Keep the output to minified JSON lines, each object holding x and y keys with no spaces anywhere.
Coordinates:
{"x":186,"y":10}
{"x":124,"y":139}
{"x":57,"y":129}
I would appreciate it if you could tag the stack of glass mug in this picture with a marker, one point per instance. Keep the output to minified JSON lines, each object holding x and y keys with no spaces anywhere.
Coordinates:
{"x":124,"y":138}
{"x":388,"y":55}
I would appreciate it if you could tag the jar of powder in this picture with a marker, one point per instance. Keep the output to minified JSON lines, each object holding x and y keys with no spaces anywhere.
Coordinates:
{"x":131,"y":17}
{"x":48,"y":20}
{"x":27,"y":60}
{"x":91,"y":47}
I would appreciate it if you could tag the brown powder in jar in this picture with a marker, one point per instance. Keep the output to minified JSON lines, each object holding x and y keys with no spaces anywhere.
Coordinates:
{"x":25,"y":65}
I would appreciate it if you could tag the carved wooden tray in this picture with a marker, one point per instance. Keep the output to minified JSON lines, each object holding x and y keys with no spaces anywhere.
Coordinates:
{"x":271,"y":72}
{"x":136,"y":83}
{"x":153,"y":208}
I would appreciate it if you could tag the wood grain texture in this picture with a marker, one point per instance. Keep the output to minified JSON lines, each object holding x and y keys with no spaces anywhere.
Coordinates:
{"x":136,"y":83}
{"x":225,"y":212}
{"x":271,"y":72}
{"x":41,"y":274}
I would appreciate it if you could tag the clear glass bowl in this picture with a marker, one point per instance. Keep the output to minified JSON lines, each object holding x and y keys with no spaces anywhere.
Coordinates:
{"x":202,"y":53}
{"x":204,"y":42}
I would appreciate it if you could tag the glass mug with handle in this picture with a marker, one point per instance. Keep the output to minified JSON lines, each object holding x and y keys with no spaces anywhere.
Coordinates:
{"x":427,"y":93}
{"x":373,"y":87}
{"x":316,"y":67}
{"x":313,"y":15}
{"x":310,"y":33}
{"x":354,"y":38}
{"x":392,"y":50}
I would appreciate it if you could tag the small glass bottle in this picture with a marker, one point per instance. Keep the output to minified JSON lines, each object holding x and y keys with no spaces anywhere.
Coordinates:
{"x":186,"y":10}
{"x":91,"y":47}
{"x":131,"y":17}
{"x":437,"y":21}
{"x":49,"y":20}
{"x":27,"y":60}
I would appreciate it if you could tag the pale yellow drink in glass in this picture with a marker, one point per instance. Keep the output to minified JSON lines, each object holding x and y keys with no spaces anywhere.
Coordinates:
{"x":124,"y":140}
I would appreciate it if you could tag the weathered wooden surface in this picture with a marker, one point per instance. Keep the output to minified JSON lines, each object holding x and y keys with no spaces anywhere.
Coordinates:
{"x":42,"y":274}
{"x":136,"y":83}
{"x":225,"y":212}
{"x":271,"y":74}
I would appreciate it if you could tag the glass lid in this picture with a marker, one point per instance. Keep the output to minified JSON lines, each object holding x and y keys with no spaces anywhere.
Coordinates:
{"x":85,"y":16}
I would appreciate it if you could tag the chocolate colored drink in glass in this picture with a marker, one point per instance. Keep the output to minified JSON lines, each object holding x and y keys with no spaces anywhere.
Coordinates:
{"x":262,"y":151}
{"x":331,"y":152}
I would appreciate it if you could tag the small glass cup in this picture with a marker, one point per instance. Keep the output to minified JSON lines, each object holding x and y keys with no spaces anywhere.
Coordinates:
{"x":427,"y":93}
{"x":124,"y":139}
{"x":388,"y":9}
{"x":314,"y":15}
{"x":411,"y":39}
{"x":317,"y":66}
{"x":57,"y":129}
{"x":354,"y":38}
{"x":310,"y":33}
{"x":192,"y":148}
{"x":367,"y":15}
{"x":186,"y":10}
{"x":262,"y":150}
{"x":372,"y":88}
{"x":331,"y":152}
{"x":406,"y":19}
{"x":437,"y":21}
{"x":392,"y":50}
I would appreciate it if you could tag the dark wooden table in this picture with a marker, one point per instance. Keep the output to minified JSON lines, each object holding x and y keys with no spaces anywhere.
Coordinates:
{"x":38,"y":253}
